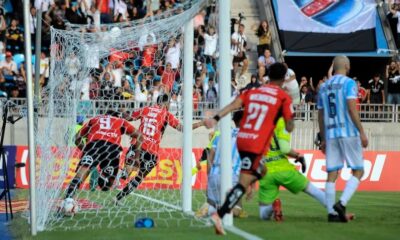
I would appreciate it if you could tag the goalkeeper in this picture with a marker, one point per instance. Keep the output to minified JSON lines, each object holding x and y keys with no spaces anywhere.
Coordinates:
{"x":282,"y":173}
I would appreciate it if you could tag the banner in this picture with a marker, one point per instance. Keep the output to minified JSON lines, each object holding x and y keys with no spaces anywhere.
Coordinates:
{"x":327,"y":25}
{"x":380,"y":169}
{"x":9,"y":153}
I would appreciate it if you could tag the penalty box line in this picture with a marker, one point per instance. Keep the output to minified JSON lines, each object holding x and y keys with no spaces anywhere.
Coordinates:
{"x":241,"y":233}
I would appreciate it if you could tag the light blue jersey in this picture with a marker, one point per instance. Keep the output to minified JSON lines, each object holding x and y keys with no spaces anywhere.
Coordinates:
{"x":332,"y":98}
{"x":216,"y":167}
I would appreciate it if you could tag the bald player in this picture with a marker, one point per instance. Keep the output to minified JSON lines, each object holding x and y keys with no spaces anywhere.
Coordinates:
{"x":342,"y":135}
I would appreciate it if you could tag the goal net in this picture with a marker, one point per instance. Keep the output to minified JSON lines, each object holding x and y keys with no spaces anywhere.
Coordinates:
{"x":123,"y":68}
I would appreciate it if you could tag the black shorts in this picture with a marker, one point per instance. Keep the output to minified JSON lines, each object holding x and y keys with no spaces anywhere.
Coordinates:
{"x":252,"y":163}
{"x":101,"y":153}
{"x":376,"y":98}
{"x":146,"y":163}
{"x":239,"y":59}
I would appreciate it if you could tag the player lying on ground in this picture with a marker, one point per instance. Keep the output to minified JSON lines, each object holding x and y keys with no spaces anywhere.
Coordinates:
{"x":341,"y":133}
{"x":282,"y":173}
{"x":103,"y":138}
{"x":153,"y":122}
{"x":203,"y":210}
{"x":214,"y":170}
{"x":262,"y":109}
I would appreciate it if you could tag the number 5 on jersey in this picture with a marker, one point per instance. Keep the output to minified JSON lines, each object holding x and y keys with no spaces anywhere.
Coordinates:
{"x":149,"y":127}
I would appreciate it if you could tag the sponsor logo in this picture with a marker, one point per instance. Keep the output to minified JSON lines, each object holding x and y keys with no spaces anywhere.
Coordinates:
{"x":247,"y":135}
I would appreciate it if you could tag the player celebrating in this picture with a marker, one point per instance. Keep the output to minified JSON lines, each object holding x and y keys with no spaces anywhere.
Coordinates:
{"x":262,"y":108}
{"x":342,"y":135}
{"x":153,"y":122}
{"x":103,"y":137}
{"x":214,"y":170}
{"x":282,"y":173}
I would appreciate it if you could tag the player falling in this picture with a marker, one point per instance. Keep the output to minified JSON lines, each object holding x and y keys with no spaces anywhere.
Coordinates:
{"x":262,"y":109}
{"x":102,"y":135}
{"x":342,"y":135}
{"x":282,"y":173}
{"x":214,"y":170}
{"x":153,"y":122}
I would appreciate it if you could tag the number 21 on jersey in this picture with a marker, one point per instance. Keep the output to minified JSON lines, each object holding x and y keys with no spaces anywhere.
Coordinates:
{"x":255,"y":111}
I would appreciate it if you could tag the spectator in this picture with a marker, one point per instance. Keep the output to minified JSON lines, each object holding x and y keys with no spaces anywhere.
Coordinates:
{"x":264,"y":62}
{"x":254,"y":83}
{"x":45,"y":5}
{"x":74,"y":13}
{"x":376,"y":93}
{"x":14,"y":36}
{"x":32,"y":22}
{"x":393,"y":18}
{"x":168,"y":78}
{"x":127,"y":92}
{"x":210,"y":46}
{"x":310,"y":85}
{"x":173,"y":53}
{"x":120,"y":11}
{"x":72,"y":65}
{"x":291,"y":86}
{"x":211,"y":94}
{"x":8,"y":66}
{"x":44,"y":66}
{"x":140,"y":88}
{"x":239,"y":44}
{"x":198,"y":20}
{"x":393,"y":77}
{"x":306,"y":96}
{"x":362,"y":92}
{"x":197,"y":98}
{"x":107,"y":87}
{"x":14,"y":92}
{"x":264,"y":37}
{"x":94,"y":87}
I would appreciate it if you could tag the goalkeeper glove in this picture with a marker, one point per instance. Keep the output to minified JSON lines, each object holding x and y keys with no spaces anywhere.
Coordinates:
{"x":300,"y":159}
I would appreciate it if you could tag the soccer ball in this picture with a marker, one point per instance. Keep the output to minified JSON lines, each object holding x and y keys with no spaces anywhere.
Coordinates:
{"x":70,"y":207}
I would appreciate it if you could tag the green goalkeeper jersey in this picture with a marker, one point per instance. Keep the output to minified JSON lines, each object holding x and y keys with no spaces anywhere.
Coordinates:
{"x":276,"y":158}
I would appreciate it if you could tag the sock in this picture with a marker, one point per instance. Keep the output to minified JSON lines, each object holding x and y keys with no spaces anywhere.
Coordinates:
{"x":349,"y":190}
{"x":211,"y":210}
{"x":316,"y":193}
{"x":94,"y":175}
{"x":231,"y":200}
{"x":72,"y":187}
{"x":266,"y":212}
{"x":330,"y":191}
{"x":132,"y":185}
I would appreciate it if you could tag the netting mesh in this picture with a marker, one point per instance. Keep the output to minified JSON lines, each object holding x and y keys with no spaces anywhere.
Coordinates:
{"x":122,"y":68}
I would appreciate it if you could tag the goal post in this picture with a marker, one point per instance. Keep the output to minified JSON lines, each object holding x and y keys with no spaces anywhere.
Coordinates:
{"x":166,"y":194}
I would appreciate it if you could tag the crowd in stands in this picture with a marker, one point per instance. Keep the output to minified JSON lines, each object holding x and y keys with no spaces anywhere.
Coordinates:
{"x":141,"y":74}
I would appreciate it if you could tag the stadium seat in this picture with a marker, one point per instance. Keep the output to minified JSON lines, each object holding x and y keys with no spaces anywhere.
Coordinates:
{"x":18,"y":59}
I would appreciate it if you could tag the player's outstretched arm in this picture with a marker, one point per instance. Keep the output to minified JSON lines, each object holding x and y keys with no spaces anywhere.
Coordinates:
{"x":236,"y":104}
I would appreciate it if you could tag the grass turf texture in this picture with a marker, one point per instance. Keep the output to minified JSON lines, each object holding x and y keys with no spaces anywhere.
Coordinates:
{"x":377,"y":217}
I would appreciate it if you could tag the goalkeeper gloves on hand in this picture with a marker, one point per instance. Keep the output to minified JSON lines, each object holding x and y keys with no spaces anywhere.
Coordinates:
{"x":300,"y":159}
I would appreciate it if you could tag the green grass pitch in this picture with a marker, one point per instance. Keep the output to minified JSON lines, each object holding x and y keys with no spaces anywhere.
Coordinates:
{"x":377,"y":217}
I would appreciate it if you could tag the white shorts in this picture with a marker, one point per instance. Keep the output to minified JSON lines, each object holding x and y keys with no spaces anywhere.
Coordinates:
{"x":214,"y":188}
{"x":344,"y":149}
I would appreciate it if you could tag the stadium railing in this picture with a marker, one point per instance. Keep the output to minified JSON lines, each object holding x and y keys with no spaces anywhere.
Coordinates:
{"x":303,"y":112}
